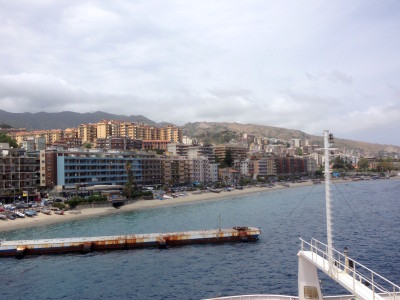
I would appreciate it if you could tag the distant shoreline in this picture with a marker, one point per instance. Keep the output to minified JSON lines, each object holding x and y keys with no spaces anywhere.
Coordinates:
{"x":86,"y":213}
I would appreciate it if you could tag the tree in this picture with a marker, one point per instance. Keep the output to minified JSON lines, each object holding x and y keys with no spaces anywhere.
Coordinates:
{"x":228,"y":158}
{"x":299,"y":152}
{"x":88,"y":145}
{"x":4,"y":138}
{"x":363,"y":164}
{"x":339,"y":163}
{"x":129,"y":182}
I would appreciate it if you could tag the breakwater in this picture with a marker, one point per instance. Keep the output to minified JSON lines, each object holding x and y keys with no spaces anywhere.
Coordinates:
{"x":87,"y":244}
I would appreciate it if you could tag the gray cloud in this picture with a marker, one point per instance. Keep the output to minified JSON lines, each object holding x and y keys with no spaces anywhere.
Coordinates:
{"x":299,"y":65}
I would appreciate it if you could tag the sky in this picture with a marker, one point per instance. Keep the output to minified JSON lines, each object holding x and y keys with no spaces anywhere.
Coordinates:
{"x":306,"y":65}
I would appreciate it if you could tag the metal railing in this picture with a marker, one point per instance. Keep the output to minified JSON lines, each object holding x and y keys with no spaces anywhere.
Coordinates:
{"x":341,"y":263}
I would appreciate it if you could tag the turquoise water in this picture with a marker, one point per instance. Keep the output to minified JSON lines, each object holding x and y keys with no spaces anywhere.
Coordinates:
{"x":365,"y":219}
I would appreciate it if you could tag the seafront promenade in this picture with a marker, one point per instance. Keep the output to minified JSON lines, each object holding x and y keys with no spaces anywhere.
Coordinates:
{"x":85,"y":213}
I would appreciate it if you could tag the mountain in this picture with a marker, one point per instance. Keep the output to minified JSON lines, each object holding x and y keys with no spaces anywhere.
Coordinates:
{"x":219,"y":133}
{"x":209,"y":132}
{"x":62,"y":120}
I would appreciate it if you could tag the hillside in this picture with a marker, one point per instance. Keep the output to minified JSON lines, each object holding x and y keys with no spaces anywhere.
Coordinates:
{"x":208,"y":132}
{"x":212,"y":132}
{"x":62,"y":120}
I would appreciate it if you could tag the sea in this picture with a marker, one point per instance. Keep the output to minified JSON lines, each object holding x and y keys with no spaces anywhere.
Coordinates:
{"x":365,"y":220}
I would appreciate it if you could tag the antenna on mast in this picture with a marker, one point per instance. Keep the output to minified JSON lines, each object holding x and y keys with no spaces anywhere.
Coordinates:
{"x":328,"y":138}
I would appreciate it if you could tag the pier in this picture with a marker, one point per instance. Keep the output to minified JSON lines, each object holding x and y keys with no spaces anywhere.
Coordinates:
{"x":162,"y":240}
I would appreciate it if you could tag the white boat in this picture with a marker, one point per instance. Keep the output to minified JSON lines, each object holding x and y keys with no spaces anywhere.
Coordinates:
{"x":357,"y":279}
{"x":19,"y":214}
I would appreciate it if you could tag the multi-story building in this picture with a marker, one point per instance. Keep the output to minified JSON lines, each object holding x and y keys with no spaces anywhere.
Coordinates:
{"x":19,"y":173}
{"x":53,"y":136}
{"x":77,"y":167}
{"x":87,"y":133}
{"x":67,"y":143}
{"x":118,"y":143}
{"x":311,"y":165}
{"x":154,"y":144}
{"x":171,"y":133}
{"x":235,"y":151}
{"x":152,"y":171}
{"x":104,"y":129}
{"x":34,"y":143}
{"x":229,"y":175}
{"x":188,"y":141}
{"x":290,"y":166}
{"x":71,"y":133}
{"x":175,"y":171}
{"x":204,"y":150}
{"x":179,"y":149}
{"x":243,"y":166}
{"x":199,"y":170}
{"x":296,"y":143}
{"x":279,"y":150}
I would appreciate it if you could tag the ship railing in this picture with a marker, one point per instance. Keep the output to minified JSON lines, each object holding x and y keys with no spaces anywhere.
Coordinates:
{"x":341,"y":263}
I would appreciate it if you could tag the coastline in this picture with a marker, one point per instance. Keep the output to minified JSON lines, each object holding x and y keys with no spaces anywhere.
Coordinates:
{"x":85,"y":213}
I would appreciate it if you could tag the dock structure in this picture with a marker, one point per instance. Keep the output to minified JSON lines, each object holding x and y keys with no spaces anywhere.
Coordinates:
{"x":119,"y":242}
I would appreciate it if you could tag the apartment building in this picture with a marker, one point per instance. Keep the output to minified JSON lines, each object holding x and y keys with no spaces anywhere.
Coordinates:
{"x":243,"y":166}
{"x":179,"y":149}
{"x":290,"y":166}
{"x":152,"y":171}
{"x":175,"y":171}
{"x":171,"y":133}
{"x":199,"y":170}
{"x":34,"y":143}
{"x":236,"y":152}
{"x":96,"y":167}
{"x":264,"y":167}
{"x":104,"y":129}
{"x":87,"y":133}
{"x":229,"y":175}
{"x":19,"y":171}
{"x":204,"y":150}
{"x":154,"y":144}
{"x":118,"y":143}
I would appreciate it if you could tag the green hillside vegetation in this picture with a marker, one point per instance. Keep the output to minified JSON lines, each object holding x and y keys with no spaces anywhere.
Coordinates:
{"x":4,"y":138}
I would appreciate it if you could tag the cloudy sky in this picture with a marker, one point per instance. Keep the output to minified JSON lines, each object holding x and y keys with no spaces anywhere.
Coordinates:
{"x":308,"y":65}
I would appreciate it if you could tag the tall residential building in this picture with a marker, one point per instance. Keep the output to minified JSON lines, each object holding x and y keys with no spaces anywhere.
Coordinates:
{"x":87,"y":133}
{"x":178,"y":149}
{"x":19,"y":172}
{"x":236,"y":152}
{"x":205,"y":150}
{"x":199,"y":170}
{"x":104,"y":129}
{"x":175,"y":171}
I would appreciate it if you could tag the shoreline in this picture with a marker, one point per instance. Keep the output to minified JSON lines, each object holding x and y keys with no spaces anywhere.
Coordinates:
{"x":86,"y":213}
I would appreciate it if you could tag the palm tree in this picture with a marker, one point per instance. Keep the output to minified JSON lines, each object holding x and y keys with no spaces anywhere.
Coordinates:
{"x":129,"y":182}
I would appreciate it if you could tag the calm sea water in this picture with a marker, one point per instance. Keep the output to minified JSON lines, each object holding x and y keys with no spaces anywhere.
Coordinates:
{"x":365,"y":218}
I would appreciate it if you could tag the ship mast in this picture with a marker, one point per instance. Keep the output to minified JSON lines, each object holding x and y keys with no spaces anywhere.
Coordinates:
{"x":327,"y":138}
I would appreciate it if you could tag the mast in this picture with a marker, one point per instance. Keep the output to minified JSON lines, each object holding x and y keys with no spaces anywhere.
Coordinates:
{"x":327,"y":137}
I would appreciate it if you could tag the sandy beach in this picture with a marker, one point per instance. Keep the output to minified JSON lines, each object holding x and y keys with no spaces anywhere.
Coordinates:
{"x":84,"y":213}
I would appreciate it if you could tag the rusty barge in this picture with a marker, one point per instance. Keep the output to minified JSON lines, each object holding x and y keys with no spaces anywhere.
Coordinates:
{"x":87,"y":244}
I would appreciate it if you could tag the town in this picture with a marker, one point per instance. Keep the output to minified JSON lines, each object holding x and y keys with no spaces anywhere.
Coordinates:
{"x":127,"y":156}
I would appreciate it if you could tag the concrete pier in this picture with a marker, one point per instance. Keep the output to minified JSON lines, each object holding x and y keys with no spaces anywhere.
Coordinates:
{"x":119,"y":242}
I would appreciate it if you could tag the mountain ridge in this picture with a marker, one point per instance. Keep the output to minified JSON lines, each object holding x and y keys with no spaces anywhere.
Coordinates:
{"x":64,"y":119}
{"x":213,"y":132}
